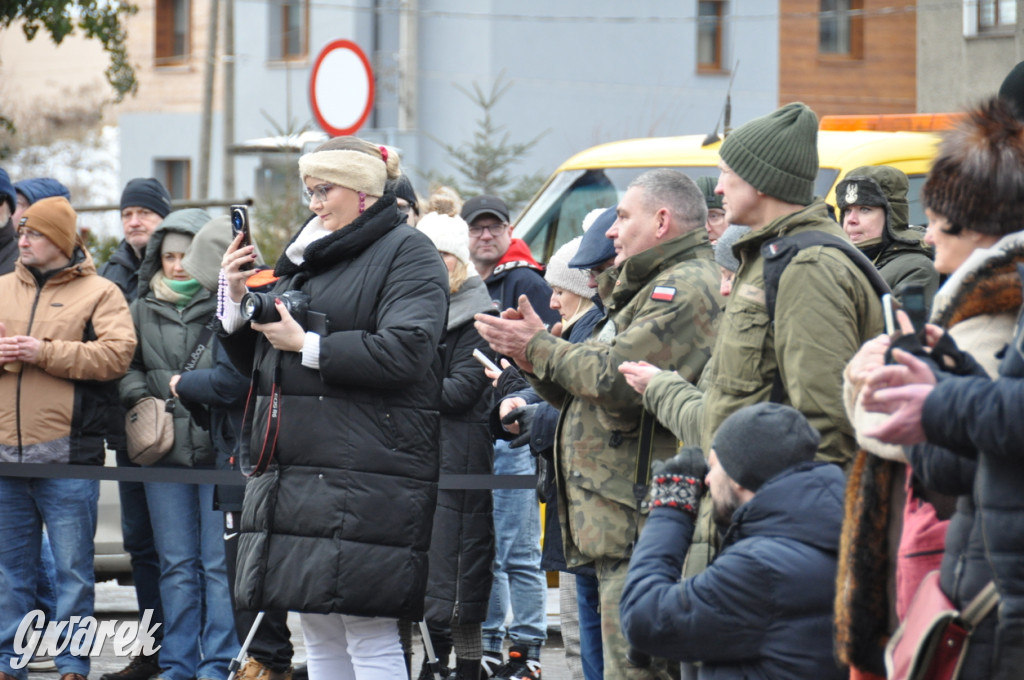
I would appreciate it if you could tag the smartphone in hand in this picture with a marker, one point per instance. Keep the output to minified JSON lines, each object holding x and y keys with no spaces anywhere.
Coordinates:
{"x":889,"y":307}
{"x":487,"y":363}
{"x":240,"y":225}
{"x":913,"y":303}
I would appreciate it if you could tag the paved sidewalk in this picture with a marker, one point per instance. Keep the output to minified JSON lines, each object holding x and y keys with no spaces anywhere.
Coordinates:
{"x":117,"y":603}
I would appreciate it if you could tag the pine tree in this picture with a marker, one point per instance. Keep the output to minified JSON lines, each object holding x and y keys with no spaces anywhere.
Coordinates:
{"x":485,"y":164}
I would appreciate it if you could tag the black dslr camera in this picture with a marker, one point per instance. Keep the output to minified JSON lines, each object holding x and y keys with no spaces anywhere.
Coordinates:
{"x":259,"y":307}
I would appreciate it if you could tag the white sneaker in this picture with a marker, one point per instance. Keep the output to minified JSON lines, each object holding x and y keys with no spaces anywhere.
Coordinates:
{"x":40,"y":663}
{"x":490,"y":662}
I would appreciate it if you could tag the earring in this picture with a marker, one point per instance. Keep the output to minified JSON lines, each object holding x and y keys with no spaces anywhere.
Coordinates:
{"x":362,"y":202}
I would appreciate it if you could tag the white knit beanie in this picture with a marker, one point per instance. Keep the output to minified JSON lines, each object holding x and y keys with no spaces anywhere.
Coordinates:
{"x":450,"y":234}
{"x":558,"y":273}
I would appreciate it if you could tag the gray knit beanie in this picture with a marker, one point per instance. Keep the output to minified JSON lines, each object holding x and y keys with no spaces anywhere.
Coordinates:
{"x":777,"y":154}
{"x":724,"y":255}
{"x":707,"y":185}
{"x":202,"y":259}
{"x":758,"y":442}
{"x":558,"y":273}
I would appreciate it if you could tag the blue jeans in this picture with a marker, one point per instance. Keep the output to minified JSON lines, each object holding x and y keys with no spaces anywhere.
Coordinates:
{"x":68,"y":508}
{"x":199,"y":636}
{"x":46,"y":586}
{"x":591,"y":647}
{"x":137,"y":534}
{"x":519,"y":582}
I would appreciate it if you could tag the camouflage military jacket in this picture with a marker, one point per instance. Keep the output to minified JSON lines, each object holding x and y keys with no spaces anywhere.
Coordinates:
{"x":824,"y":311}
{"x":663,"y":306}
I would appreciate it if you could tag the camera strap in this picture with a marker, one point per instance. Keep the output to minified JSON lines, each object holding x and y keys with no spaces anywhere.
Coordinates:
{"x":255,"y":463}
{"x":200,"y":414}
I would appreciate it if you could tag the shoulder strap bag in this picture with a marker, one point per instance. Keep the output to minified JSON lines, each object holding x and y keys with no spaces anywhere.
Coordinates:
{"x":931,"y":643}
{"x":149,"y":424}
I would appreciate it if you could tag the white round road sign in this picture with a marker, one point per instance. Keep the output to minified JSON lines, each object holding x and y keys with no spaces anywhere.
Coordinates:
{"x":341,"y":88}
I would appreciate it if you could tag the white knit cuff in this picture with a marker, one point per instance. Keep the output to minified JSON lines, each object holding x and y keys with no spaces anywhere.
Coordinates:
{"x":231,"y":315}
{"x":311,"y":351}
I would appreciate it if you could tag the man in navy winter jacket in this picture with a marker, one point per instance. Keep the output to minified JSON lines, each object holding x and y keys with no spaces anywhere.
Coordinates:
{"x":763,"y":608}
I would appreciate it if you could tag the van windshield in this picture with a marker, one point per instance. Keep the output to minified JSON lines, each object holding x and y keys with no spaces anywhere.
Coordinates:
{"x":554,"y":218}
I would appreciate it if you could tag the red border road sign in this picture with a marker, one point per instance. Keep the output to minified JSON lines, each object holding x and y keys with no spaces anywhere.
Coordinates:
{"x":337,"y":115}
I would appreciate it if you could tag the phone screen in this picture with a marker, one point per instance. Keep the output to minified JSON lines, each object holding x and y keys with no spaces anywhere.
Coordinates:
{"x":913,"y":300}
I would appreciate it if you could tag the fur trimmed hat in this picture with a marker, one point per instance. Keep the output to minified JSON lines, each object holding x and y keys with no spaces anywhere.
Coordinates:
{"x":559,"y":273}
{"x":449,"y":234}
{"x":352,"y":163}
{"x":879,"y":185}
{"x":977,"y":180}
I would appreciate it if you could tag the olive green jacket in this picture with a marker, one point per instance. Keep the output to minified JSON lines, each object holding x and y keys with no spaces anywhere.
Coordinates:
{"x":663,"y":307}
{"x":825,"y":310}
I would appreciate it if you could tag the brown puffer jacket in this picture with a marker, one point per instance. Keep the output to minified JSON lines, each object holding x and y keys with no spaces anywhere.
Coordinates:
{"x":54,"y":411}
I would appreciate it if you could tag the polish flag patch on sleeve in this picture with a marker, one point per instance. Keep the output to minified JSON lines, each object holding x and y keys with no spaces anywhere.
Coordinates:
{"x":663,"y":293}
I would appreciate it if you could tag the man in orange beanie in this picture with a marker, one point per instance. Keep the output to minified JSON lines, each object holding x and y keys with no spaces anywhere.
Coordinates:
{"x":66,"y":336}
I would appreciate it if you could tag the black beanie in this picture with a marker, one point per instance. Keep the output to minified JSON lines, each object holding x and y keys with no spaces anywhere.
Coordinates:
{"x":402,"y":188}
{"x":147,"y":192}
{"x":777,"y":154}
{"x":758,"y":442}
{"x":1012,"y":90}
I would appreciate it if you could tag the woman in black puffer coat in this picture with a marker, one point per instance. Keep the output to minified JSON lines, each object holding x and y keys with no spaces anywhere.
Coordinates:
{"x":462,"y":545}
{"x":347,"y":399}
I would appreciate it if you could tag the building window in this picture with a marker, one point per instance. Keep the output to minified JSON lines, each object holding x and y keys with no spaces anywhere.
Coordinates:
{"x":994,"y":16}
{"x":176,"y":175}
{"x":289,"y":29}
{"x":710,"y":16}
{"x":173,"y":31}
{"x":839,"y":28}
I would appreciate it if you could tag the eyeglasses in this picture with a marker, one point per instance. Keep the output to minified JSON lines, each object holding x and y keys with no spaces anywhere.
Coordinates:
{"x":494,"y":229}
{"x":596,"y":271}
{"x":32,"y":234}
{"x":320,"y":192}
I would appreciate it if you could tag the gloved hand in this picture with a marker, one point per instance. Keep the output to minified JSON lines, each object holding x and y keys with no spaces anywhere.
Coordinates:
{"x":678,"y":482}
{"x":524,"y":416}
{"x":511,"y":380}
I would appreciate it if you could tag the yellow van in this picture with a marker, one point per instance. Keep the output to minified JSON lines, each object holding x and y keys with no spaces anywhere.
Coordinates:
{"x":598,"y":176}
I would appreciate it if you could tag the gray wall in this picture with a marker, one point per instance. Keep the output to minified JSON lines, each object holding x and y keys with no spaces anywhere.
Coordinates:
{"x":954,"y":71}
{"x":582,"y":82}
{"x":592,"y":71}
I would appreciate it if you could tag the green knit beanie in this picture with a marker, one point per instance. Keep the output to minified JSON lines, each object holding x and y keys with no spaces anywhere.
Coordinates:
{"x":707,"y":185}
{"x":777,"y":154}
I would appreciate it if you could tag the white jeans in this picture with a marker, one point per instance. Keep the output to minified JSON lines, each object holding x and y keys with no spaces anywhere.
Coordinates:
{"x":343,"y":647}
